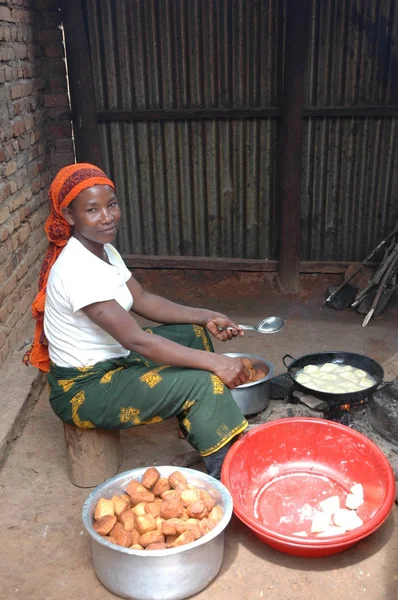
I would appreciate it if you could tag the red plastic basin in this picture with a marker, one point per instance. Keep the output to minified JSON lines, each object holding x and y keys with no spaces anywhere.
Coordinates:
{"x":278,"y":472}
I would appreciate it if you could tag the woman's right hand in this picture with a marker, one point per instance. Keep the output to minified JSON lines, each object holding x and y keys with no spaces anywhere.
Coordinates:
{"x":230,"y":370}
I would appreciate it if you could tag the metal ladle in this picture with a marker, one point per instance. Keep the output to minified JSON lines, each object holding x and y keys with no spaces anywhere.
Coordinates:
{"x":268,"y":325}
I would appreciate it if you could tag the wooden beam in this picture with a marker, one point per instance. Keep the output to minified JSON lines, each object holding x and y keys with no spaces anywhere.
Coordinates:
{"x":81,"y":83}
{"x":297,"y":33}
{"x":139,"y":261}
{"x":266,"y":112}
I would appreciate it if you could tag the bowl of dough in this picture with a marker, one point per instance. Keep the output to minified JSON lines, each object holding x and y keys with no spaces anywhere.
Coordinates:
{"x":309,"y":487}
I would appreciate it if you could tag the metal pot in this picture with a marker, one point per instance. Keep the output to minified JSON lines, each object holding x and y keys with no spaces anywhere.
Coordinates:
{"x":253,"y":397}
{"x":171,"y":574}
{"x":342,"y":358}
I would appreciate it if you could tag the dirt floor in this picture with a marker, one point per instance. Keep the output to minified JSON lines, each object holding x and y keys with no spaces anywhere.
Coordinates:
{"x":45,"y":553}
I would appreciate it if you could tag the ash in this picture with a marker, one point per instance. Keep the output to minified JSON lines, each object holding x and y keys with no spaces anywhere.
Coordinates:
{"x":356,"y":418}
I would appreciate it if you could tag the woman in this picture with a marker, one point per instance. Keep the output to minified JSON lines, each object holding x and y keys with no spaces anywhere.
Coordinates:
{"x":106,"y":371}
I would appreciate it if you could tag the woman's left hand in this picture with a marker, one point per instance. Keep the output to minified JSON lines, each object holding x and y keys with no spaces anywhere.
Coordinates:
{"x":217,"y":324}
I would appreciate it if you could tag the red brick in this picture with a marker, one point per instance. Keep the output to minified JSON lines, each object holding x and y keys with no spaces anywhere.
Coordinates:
{"x":16,"y":220}
{"x":4,"y":214}
{"x":7,"y":53}
{"x":17,"y":108}
{"x":12,"y":319}
{"x":5,"y":351}
{"x":22,"y":270}
{"x":20,"y":181}
{"x":10,"y":168}
{"x":29,"y":122}
{"x":58,"y":83}
{"x":64,"y":145}
{"x":64,"y":130}
{"x":3,"y":337}
{"x":54,"y":51}
{"x":59,"y":113}
{"x":21,"y":51}
{"x":27,"y":88}
{"x":10,"y":285}
{"x":18,"y":127}
{"x":5,"y":33}
{"x":5,"y":14}
{"x":27,"y":71}
{"x":48,"y":37}
{"x":25,"y":304}
{"x":56,"y":99}
{"x":35,"y":185}
{"x":62,"y":159}
{"x":16,"y":202}
{"x":24,"y":142}
{"x":4,"y":234}
{"x":18,"y":16}
{"x":5,"y":191}
{"x":8,"y":151}
{"x":16,"y":91}
{"x":14,"y":241}
{"x":40,"y":84}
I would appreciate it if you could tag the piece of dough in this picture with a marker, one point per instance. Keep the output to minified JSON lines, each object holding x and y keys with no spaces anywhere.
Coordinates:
{"x":360,"y":373}
{"x":349,"y":376}
{"x":330,"y":505}
{"x":346,"y":518}
{"x":328,"y":367}
{"x":357,"y":490}
{"x":300,"y":533}
{"x":311,"y":369}
{"x":366,"y":382}
{"x":352,"y":501}
{"x":320,"y":522}
{"x":303,"y":378}
{"x":325,"y":376}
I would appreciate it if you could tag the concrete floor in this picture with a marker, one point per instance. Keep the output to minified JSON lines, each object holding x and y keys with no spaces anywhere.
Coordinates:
{"x":45,"y":554}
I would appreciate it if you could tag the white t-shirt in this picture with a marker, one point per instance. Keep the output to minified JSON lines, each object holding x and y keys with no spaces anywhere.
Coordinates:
{"x":79,"y":278}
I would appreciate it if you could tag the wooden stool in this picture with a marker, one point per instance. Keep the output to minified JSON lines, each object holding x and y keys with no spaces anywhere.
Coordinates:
{"x":94,"y":455}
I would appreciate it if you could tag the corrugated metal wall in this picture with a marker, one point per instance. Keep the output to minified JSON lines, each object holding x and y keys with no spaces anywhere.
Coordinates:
{"x":191,"y":187}
{"x":350,"y":164}
{"x":207,"y":187}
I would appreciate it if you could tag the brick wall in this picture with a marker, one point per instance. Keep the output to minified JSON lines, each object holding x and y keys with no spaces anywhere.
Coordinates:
{"x":35,"y":141}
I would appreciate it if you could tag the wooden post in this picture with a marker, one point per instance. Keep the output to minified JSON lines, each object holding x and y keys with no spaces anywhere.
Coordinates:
{"x":93,"y":455}
{"x":297,"y":32}
{"x":81,"y":83}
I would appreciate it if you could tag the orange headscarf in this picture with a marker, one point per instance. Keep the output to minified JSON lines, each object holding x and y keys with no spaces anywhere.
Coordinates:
{"x":68,"y":183}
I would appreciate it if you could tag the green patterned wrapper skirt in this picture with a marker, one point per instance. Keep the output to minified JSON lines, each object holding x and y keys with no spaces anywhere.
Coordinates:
{"x":126,"y":392}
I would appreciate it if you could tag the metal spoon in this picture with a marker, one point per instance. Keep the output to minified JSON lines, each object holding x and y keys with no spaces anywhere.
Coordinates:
{"x":268,"y":325}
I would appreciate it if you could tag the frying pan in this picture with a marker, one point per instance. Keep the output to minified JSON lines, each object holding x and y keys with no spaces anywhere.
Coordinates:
{"x":340,"y":358}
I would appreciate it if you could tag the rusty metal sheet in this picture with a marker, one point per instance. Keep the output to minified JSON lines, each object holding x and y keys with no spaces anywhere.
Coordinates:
{"x":353,"y":57}
{"x":151,"y":54}
{"x":207,"y":187}
{"x":195,"y":188}
{"x":349,"y":188}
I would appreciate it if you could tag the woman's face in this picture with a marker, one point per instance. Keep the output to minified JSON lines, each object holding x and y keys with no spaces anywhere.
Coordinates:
{"x":94,"y":214}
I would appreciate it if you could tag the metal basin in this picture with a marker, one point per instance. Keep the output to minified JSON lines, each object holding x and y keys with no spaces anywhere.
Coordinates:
{"x":253,"y":397}
{"x":171,"y":574}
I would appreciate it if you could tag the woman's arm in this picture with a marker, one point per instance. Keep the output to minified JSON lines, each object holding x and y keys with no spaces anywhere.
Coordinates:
{"x":161,"y":310}
{"x":122,"y":326}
